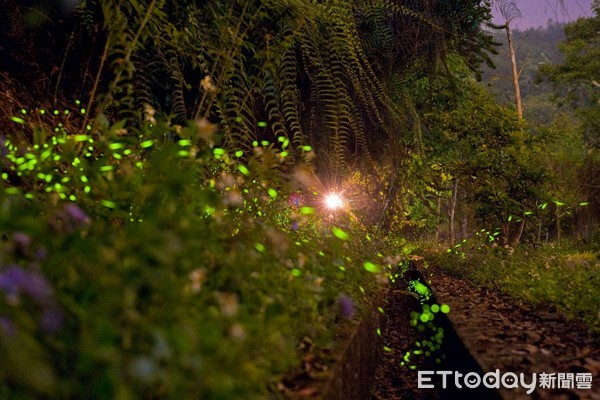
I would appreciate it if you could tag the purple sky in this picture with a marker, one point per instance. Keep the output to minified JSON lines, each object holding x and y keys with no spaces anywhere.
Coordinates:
{"x":537,"y":12}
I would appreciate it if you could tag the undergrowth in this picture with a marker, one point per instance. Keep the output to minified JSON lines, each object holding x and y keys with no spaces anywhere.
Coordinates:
{"x":151,"y":263}
{"x":565,"y":276}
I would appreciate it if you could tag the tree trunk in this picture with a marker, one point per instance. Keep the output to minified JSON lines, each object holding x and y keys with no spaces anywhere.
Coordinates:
{"x":518,"y":234}
{"x":515,"y":72}
{"x":452,"y":210}
{"x":439,"y":209}
{"x":558,"y":227}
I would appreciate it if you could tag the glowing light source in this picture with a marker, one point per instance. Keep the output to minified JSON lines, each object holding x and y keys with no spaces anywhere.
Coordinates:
{"x":333,"y":201}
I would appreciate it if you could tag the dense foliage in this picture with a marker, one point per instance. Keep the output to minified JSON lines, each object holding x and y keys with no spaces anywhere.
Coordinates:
{"x":175,"y":270}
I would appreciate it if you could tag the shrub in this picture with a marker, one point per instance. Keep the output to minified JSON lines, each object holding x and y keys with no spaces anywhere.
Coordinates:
{"x":154,"y":264}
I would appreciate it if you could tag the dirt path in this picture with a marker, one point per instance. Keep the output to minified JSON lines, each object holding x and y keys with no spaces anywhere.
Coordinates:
{"x":500,"y":333}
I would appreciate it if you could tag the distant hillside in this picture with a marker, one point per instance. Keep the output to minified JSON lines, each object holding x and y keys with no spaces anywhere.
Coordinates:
{"x":533,"y":47}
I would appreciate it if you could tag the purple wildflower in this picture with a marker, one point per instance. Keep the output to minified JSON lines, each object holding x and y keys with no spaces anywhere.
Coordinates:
{"x":41,"y":253}
{"x":37,"y":287}
{"x":346,"y":306}
{"x":52,"y":319}
{"x":75,"y":215}
{"x":295,"y":199}
{"x":21,"y":241}
{"x":7,"y":327}
{"x":3,"y":148}
{"x":71,"y":218}
{"x":11,"y":281}
{"x":15,"y":280}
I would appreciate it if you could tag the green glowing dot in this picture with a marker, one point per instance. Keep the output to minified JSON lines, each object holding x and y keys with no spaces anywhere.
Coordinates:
{"x":296,"y":272}
{"x":147,"y":143}
{"x":584,"y":203}
{"x":435,"y":308}
{"x":106,"y":168}
{"x":272,"y":193}
{"x":117,"y":156}
{"x":77,"y":102}
{"x":183,"y":153}
{"x":115,"y":146}
{"x":18,"y":120}
{"x":260,"y":247}
{"x":261,"y":124}
{"x":239,"y":153}
{"x":381,"y":310}
{"x":66,"y":112}
{"x":445,"y":308}
{"x":127,"y":152}
{"x":378,"y":331}
{"x":265,"y":143}
{"x":88,"y":127}
{"x":362,"y":289}
{"x":218,"y":151}
{"x":72,"y":198}
{"x":243,"y":169}
{"x":56,"y":112}
{"x":284,"y":154}
{"x":23,"y":111}
{"x":82,"y":111}
{"x":42,"y":111}
{"x":184,"y":142}
{"x":321,"y":253}
{"x":108,"y":204}
{"x":87,"y":189}
{"x":424,"y":317}
{"x":413,"y":367}
{"x":307,"y":210}
{"x":255,"y":144}
{"x":340,"y":234}
{"x":5,"y":176}
{"x":373,"y":268}
{"x":387,"y":349}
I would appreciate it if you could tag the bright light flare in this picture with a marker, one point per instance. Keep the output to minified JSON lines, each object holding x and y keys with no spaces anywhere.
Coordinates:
{"x":333,"y":201}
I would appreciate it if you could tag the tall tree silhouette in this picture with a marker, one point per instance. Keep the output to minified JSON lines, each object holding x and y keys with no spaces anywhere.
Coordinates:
{"x":510,"y":12}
